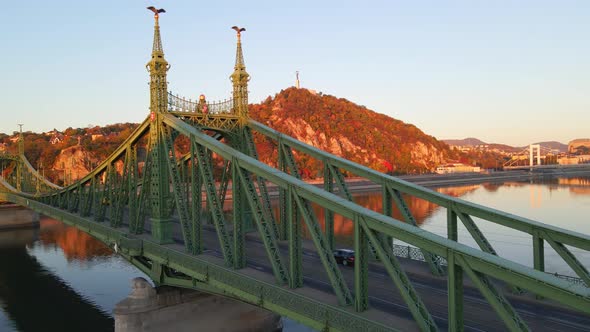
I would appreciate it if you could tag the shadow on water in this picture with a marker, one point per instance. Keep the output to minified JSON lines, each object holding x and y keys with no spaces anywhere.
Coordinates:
{"x":34,"y":299}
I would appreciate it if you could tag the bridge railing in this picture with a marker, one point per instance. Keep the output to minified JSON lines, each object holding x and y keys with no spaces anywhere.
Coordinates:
{"x":8,"y":156}
{"x":559,"y":239}
{"x":179,"y":104}
{"x":413,"y":253}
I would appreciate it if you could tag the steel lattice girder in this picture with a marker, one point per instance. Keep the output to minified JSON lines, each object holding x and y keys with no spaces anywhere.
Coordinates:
{"x":250,"y":149}
{"x":207,"y":276}
{"x":572,"y":238}
{"x":239,"y":219}
{"x":463,"y":208}
{"x":478,"y":262}
{"x":409,"y":218}
{"x":178,"y":192}
{"x":538,"y":282}
{"x":328,"y":214}
{"x":196,"y":200}
{"x":263,"y":222}
{"x":206,"y":171}
{"x":401,"y":280}
{"x":495,"y":298}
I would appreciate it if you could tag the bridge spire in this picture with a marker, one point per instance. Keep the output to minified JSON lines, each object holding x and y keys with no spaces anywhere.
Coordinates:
{"x":157,"y":67}
{"x":157,"y":40}
{"x":159,"y":176}
{"x":21,"y":140}
{"x":240,"y":80}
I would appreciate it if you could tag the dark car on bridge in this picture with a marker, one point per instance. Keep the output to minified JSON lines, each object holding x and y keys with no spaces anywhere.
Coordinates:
{"x":344,"y":256}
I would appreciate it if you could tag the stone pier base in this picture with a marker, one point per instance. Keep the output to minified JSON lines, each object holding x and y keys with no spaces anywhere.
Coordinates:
{"x":15,"y":216}
{"x":177,"y":309}
{"x":18,"y":238}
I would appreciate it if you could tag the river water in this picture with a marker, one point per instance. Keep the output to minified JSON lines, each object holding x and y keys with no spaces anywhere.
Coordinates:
{"x":57,"y":278}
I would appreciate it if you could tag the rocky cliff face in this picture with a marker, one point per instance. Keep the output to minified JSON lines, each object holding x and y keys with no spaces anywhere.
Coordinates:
{"x":345,"y":129}
{"x":75,"y":162}
{"x":427,"y":155}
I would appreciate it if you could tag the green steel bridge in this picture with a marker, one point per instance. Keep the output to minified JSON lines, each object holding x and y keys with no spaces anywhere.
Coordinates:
{"x":163,"y":210}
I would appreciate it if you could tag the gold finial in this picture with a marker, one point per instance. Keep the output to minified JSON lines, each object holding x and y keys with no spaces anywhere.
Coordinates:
{"x":239,"y":31}
{"x":156,"y":12}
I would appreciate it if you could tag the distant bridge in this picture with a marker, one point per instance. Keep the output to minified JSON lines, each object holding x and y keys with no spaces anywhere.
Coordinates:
{"x":533,"y":150}
{"x":164,"y":213}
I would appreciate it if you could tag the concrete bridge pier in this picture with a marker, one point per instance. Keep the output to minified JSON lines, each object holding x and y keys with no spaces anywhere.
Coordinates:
{"x":18,"y":238}
{"x":15,"y":216}
{"x":175,"y":309}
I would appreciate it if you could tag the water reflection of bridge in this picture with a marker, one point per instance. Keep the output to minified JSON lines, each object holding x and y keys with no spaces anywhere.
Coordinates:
{"x":35,"y":299}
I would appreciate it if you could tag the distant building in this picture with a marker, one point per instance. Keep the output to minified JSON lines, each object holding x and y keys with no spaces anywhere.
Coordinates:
{"x":457,"y":168}
{"x":578,"y":145}
{"x":56,"y":139}
{"x":463,"y":148}
{"x":567,"y":161}
{"x":96,"y":136}
{"x":574,"y":160}
{"x":52,"y":133}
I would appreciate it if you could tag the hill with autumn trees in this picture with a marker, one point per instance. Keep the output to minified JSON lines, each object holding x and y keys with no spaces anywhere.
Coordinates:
{"x":345,"y":129}
{"x":332,"y":124}
{"x":71,"y":154}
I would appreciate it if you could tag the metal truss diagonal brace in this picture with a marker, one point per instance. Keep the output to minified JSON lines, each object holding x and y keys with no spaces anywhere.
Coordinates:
{"x":196,"y":203}
{"x":569,"y":258}
{"x":264,"y":227}
{"x":431,"y":259}
{"x":325,"y":253}
{"x":495,"y":298}
{"x":481,"y":240}
{"x":178,"y":189}
{"x":295,"y":246}
{"x":476,"y":233}
{"x":206,"y":170}
{"x":401,"y":280}
{"x":265,"y":198}
{"x":340,"y":182}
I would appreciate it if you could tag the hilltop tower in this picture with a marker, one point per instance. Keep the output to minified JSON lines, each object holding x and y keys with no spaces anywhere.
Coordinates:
{"x":159,"y":176}
{"x":240,"y":80}
{"x":297,"y":79}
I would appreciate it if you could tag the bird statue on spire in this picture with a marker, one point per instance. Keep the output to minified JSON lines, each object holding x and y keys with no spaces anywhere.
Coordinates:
{"x":238,"y":30}
{"x":156,"y":11}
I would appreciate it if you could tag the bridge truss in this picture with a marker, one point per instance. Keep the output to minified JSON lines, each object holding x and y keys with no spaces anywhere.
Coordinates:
{"x":181,"y":212}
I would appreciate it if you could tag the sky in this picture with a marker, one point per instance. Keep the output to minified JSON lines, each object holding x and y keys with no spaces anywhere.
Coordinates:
{"x":511,"y":72}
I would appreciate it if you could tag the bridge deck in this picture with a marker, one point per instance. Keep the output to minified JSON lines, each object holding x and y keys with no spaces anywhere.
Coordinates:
{"x":386,"y":304}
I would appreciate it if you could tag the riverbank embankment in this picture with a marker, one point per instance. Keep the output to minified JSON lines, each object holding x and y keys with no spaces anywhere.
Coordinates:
{"x":442,"y":180}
